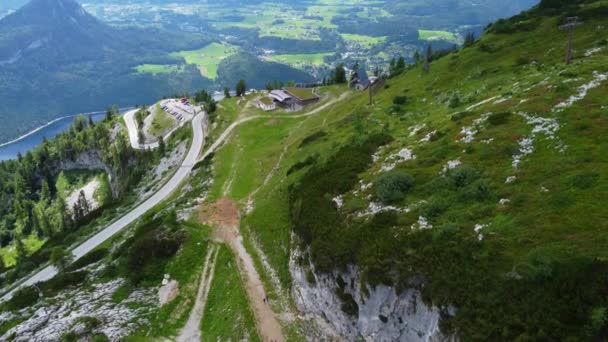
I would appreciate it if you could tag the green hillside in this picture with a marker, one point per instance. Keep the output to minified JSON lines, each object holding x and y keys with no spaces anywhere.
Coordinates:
{"x":481,"y":182}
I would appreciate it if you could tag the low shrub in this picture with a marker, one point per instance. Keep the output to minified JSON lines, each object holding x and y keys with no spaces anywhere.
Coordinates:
{"x":496,"y":119}
{"x":463,"y":176}
{"x":454,"y":101}
{"x":23,"y":298}
{"x":436,"y":206}
{"x":393,"y":186}
{"x":400,"y":100}
{"x":88,"y":259}
{"x":312,"y":138}
{"x":311,"y":160}
{"x":585,"y":180}
{"x":460,"y":115}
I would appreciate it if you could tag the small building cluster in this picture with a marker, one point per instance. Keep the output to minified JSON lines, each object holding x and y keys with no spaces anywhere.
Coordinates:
{"x":290,"y":99}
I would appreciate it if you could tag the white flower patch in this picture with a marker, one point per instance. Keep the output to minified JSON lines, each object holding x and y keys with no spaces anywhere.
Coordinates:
{"x":422,"y":223}
{"x":374,"y":208}
{"x":469,"y":132}
{"x":428,"y":137}
{"x":593,"y":51}
{"x":543,"y":189}
{"x":511,"y":179}
{"x":582,"y":91}
{"x":547,"y":126}
{"x":393,"y":160}
{"x":415,"y":129}
{"x":339,"y":200}
{"x":523,"y":101}
{"x":526,"y":147}
{"x":478,"y":228}
{"x":488,"y":141}
{"x":452,"y":164}
{"x":540,"y":125}
{"x":362,"y":187}
{"x":504,"y":201}
{"x":376,"y":156}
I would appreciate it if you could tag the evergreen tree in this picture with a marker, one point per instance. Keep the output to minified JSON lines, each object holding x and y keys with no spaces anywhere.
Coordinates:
{"x":60,"y":257}
{"x":45,"y":193}
{"x":400,"y":66}
{"x":416,"y":57}
{"x":391,"y":66}
{"x":469,"y":39}
{"x":84,"y":204}
{"x":268,"y":86}
{"x":226,"y":92}
{"x":141,"y":138}
{"x":111,"y":112}
{"x":340,"y":74}
{"x":161,"y":145}
{"x":20,"y":248}
{"x":211,"y":106}
{"x":241,"y":88}
{"x":91,"y":122}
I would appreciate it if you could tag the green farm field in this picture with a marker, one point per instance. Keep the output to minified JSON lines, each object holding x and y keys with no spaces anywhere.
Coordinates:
{"x":208,"y":58}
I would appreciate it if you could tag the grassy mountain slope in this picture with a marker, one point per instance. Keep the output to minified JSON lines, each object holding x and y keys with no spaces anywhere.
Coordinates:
{"x":500,"y":214}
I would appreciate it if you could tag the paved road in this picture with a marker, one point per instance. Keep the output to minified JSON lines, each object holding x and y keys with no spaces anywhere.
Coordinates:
{"x":195,"y":150}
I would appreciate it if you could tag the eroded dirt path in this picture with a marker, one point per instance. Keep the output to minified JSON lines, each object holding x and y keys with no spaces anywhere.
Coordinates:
{"x":192,"y":330}
{"x":224,"y":217}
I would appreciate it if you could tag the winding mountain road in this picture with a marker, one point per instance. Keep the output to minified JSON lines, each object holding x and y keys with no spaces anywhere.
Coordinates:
{"x":198,"y":142}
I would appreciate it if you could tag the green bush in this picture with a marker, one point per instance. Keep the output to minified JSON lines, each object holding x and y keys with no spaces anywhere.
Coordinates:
{"x":585,"y":180}
{"x":148,"y":255}
{"x":312,"y":138}
{"x":392,"y":187}
{"x":311,"y":160}
{"x":454,"y":101}
{"x":521,"y":61}
{"x":23,"y":298}
{"x":90,"y":258}
{"x":460,"y":115}
{"x":463,"y":176}
{"x":496,"y":119}
{"x":436,"y":206}
{"x":400,"y":100}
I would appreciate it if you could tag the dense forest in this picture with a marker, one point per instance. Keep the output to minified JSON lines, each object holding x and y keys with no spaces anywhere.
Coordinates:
{"x":30,"y":202}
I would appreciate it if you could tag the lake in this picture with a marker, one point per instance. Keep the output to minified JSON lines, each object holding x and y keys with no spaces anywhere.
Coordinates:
{"x":30,"y":142}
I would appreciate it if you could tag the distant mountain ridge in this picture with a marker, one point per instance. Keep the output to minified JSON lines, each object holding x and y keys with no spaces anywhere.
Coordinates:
{"x":57,"y":59}
{"x":60,"y":28}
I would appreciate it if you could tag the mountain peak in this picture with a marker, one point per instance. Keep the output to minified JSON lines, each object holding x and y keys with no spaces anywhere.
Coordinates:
{"x":52,"y":10}
{"x":63,"y":26}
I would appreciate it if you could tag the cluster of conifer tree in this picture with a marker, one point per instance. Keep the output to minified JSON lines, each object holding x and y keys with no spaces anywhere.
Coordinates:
{"x":29,"y":199}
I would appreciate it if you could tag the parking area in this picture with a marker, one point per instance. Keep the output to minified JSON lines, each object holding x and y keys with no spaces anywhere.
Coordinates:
{"x":180,"y":109}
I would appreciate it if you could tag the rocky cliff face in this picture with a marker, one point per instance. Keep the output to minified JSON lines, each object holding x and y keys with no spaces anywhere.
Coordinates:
{"x":382,"y":313}
{"x":91,"y":160}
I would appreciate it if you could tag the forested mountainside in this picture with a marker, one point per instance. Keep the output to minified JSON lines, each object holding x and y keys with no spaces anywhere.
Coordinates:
{"x":56,"y":59}
{"x":41,"y":205}
{"x":243,"y":66}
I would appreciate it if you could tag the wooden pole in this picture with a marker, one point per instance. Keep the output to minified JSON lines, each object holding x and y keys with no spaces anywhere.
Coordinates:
{"x":570,"y":24}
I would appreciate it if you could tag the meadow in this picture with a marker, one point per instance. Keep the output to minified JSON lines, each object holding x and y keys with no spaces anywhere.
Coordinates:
{"x":207,"y":59}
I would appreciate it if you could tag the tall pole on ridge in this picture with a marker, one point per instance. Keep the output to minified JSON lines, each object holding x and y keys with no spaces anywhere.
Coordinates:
{"x":571,"y":23}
